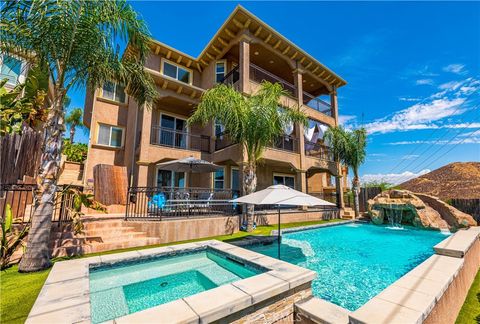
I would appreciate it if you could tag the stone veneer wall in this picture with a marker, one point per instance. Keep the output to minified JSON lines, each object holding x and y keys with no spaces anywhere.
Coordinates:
{"x":279,"y":309}
{"x":263,"y":218}
{"x":448,"y":306}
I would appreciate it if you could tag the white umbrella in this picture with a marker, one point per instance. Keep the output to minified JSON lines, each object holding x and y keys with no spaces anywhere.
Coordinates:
{"x":281,"y":195}
{"x":189,"y":165}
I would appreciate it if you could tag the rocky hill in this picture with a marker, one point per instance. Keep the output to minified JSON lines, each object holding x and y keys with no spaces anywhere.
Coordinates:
{"x":454,"y":180}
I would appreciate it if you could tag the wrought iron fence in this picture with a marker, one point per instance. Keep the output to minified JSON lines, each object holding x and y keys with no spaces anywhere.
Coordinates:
{"x":159,"y":203}
{"x":317,"y":104}
{"x":20,"y":199}
{"x":318,"y":150}
{"x":232,"y":77}
{"x":286,"y":143}
{"x":179,"y":139}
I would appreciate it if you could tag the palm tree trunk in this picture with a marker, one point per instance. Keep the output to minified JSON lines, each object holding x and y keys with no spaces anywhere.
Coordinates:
{"x":72,"y":133}
{"x":356,"y":192}
{"x":249,"y":186}
{"x":37,"y":254}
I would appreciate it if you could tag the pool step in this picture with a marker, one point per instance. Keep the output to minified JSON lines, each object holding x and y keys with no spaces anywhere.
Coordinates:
{"x":348,"y":213}
{"x":99,"y":236}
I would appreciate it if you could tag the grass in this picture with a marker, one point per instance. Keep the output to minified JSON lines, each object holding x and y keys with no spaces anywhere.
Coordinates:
{"x":470,"y":312}
{"x":19,"y":291}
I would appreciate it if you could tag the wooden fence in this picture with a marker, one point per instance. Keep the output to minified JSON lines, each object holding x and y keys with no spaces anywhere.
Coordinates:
{"x":20,"y":156}
{"x":469,"y":206}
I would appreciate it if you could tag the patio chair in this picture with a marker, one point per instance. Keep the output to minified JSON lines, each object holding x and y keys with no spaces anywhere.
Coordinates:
{"x":156,"y":203}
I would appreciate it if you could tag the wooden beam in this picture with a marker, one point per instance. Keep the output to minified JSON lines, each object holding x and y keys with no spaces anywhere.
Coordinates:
{"x":277,"y":44}
{"x":189,"y":63}
{"x":224,"y":43}
{"x":201,"y":60}
{"x":193,"y":94}
{"x":315,"y":70}
{"x":322,"y":73}
{"x":157,"y":50}
{"x":285,"y":51}
{"x":199,"y":67}
{"x":216,"y":49}
{"x":247,"y":23}
{"x":169,"y":53}
{"x":268,"y":38}
{"x":303,"y":59}
{"x":294,"y":55}
{"x":328,"y":77}
{"x":257,"y":32}
{"x":179,"y":90}
{"x":229,"y":33}
{"x":164,"y":85}
{"x":179,"y":59}
{"x":308,"y":65}
{"x":209,"y":56}
{"x":237,"y":23}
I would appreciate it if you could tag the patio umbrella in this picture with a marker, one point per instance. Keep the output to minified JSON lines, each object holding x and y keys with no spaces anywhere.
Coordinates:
{"x":281,"y":195}
{"x":189,"y":165}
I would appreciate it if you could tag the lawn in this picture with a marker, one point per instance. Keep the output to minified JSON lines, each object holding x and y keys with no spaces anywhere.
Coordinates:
{"x":18,"y":291}
{"x":470,"y":312}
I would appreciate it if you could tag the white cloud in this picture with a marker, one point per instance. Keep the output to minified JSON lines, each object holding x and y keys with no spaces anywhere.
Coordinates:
{"x":393,"y":178}
{"x":454,"y":68}
{"x":463,"y":125}
{"x":452,"y":85}
{"x":409,"y":99}
{"x":424,"y":82}
{"x":343,"y":119}
{"x":418,"y":116}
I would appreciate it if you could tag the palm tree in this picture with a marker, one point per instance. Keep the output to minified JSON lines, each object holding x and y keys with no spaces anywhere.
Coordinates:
{"x":349,"y":148}
{"x":74,"y":121}
{"x":79,"y":43}
{"x":254,"y":122}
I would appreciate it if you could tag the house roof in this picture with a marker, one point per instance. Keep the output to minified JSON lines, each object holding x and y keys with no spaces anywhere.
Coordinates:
{"x":241,"y":22}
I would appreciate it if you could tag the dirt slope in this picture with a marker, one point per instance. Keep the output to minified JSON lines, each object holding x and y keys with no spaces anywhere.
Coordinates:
{"x":454,"y":180}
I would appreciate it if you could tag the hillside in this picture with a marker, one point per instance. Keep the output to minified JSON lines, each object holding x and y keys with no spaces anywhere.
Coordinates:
{"x":454,"y":180}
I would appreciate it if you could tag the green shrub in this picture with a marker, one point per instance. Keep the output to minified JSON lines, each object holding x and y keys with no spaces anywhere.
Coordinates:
{"x":76,"y":152}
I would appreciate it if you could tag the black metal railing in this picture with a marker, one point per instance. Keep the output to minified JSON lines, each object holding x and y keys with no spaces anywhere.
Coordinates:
{"x":318,"y":151}
{"x":20,"y":200}
{"x":159,"y":203}
{"x":258,"y":74}
{"x":179,"y":139}
{"x":232,"y":77}
{"x":286,"y":143}
{"x":222,"y":141}
{"x":317,"y":104}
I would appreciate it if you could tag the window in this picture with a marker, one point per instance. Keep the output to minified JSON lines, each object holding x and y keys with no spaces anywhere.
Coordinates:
{"x":173,"y":131}
{"x":170,"y":179}
{"x":110,"y":135}
{"x":11,"y":69}
{"x":219,"y":129}
{"x":113,"y":91}
{"x":219,"y":179}
{"x":220,"y":68}
{"x":176,"y":72}
{"x":285,"y":180}
{"x":235,"y":179}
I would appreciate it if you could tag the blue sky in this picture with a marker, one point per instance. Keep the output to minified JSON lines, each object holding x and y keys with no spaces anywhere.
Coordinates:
{"x":413,"y":69}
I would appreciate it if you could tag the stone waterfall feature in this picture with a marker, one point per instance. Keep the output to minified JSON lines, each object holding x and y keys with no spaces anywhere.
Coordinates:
{"x":397,"y":207}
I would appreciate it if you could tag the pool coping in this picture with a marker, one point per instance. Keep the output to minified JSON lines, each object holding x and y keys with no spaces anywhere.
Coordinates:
{"x":309,"y":227}
{"x":65,"y":296}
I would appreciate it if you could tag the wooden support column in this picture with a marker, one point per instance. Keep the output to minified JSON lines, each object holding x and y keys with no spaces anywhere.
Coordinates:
{"x":339,"y":186}
{"x":244,"y":63}
{"x":334,"y":104}
{"x":301,"y":176}
{"x":146,"y":127}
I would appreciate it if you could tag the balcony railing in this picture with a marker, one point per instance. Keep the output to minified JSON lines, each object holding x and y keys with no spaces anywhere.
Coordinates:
{"x":317,"y":104}
{"x":231,"y":77}
{"x":318,"y":151}
{"x":258,"y":74}
{"x":179,"y":139}
{"x":286,"y":143}
{"x":222,"y":141}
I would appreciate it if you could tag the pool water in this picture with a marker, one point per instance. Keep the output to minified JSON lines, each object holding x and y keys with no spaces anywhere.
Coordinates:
{"x":124,"y":289}
{"x":354,"y":262}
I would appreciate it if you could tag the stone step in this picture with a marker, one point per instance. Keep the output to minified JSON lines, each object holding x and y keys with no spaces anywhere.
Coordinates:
{"x":106,"y":224}
{"x":115,"y":245}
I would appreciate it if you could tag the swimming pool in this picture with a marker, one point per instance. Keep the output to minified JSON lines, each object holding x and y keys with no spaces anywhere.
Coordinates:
{"x":130,"y":287}
{"x":354,"y":262}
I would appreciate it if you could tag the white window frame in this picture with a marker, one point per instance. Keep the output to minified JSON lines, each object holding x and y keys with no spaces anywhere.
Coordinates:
{"x":23,"y":69}
{"x":185,"y":174}
{"x":110,"y":138}
{"x":190,"y":71}
{"x":284,"y":175}
{"x":224,"y":70}
{"x":114,"y":93}
{"x":231,"y":177}
{"x":213,"y":179}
